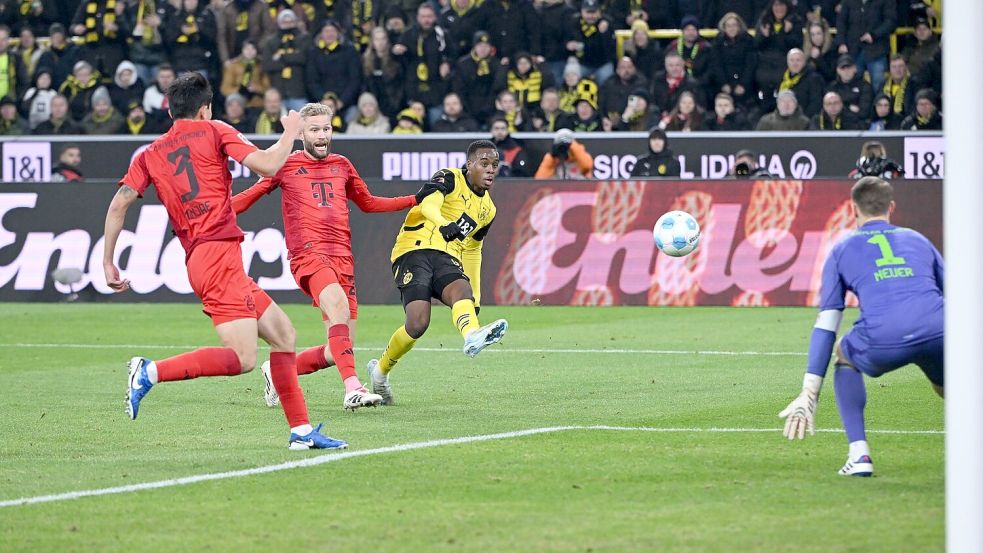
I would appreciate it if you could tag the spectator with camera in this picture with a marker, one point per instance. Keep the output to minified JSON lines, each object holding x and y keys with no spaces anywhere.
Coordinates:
{"x":660,"y":161}
{"x":615,"y":91}
{"x":639,"y":114}
{"x":926,"y":116}
{"x":746,"y":166}
{"x":567,"y":159}
{"x":873,"y":162}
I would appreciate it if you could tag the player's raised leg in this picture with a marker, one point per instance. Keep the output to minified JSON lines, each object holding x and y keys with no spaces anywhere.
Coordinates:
{"x":400,"y":343}
{"x":459,"y":297}
{"x":275,"y":328}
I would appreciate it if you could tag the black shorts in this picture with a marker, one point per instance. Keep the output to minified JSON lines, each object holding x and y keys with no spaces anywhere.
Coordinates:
{"x":423,"y":274}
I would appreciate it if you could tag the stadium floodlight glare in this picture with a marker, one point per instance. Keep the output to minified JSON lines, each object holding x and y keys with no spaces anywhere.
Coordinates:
{"x":963,"y":228}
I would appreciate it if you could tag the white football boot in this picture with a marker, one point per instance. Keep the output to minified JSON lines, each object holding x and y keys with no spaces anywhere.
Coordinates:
{"x":485,"y":336}
{"x":862,"y":466}
{"x":380,"y":383}
{"x":269,"y":392}
{"x":361,"y":398}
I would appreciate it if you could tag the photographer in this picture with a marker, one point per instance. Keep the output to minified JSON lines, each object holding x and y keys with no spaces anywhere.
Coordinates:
{"x":746,"y":166}
{"x":568,"y":159}
{"x":874,"y":162}
{"x":660,"y":161}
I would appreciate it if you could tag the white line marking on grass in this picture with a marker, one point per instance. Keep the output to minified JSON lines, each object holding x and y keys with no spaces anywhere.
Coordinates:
{"x":332,"y":457}
{"x":443,"y":350}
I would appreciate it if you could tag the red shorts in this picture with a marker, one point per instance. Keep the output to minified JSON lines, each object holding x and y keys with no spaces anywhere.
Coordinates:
{"x":219,"y":279}
{"x":314,"y":272}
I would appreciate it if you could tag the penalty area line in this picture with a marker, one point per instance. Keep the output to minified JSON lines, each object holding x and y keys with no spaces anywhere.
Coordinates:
{"x":619,"y":351}
{"x":334,"y":457}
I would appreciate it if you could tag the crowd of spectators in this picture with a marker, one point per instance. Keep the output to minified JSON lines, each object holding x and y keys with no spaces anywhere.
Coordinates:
{"x":406,"y":67}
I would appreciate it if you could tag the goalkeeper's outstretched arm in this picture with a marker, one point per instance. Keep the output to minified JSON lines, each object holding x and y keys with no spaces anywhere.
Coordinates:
{"x":800,"y":415}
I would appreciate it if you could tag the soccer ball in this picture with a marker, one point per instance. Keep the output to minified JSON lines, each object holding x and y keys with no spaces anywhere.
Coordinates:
{"x":676,"y":233}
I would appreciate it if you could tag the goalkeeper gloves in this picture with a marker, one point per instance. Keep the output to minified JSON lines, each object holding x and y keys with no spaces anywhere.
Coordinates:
{"x":452,"y":231}
{"x":800,"y":415}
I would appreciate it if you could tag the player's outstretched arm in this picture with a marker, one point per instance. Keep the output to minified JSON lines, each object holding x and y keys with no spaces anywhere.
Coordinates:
{"x":369,"y":203}
{"x":115,"y":216}
{"x":267,"y":162}
{"x":245,"y":199}
{"x":800,"y":415}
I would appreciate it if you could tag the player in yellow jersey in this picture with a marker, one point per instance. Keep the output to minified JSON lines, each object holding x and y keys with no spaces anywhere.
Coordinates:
{"x":438,"y":255}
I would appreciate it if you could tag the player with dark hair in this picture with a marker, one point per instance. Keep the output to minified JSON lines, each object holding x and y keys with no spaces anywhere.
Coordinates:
{"x":897,"y":275}
{"x":189,"y":167}
{"x":438,"y":255}
{"x":316,"y":186}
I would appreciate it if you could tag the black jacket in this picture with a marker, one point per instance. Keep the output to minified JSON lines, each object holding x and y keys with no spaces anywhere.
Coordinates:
{"x":477,"y":92}
{"x":67,"y":127}
{"x":599,"y":48}
{"x":436,"y":50}
{"x":809,"y":92}
{"x":464,"y":123}
{"x":513,"y":25}
{"x":733,"y":62}
{"x":857,"y":92}
{"x":847,"y":122}
{"x":614,"y":93}
{"x":856,"y":17}
{"x":666,"y":99}
{"x":338,"y":70}
{"x":194,"y":51}
{"x":553,"y":21}
{"x":662,"y":164}
{"x":735,"y":121}
{"x":911,"y":123}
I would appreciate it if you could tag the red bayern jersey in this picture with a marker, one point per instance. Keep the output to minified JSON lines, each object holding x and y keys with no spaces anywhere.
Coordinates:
{"x":315,"y":194}
{"x":189,"y":166}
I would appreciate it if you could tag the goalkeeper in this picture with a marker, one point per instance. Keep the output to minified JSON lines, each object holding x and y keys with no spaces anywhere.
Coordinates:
{"x":438,"y":255}
{"x":897,"y":275}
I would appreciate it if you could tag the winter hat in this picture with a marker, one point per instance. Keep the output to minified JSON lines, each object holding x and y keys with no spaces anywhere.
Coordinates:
{"x":288,"y":13}
{"x":235,"y":98}
{"x":690,"y":20}
{"x":639,"y":24}
{"x":367,"y":98}
{"x":100,"y":95}
{"x":572,"y":66}
{"x":411,"y":116}
{"x":656,"y":132}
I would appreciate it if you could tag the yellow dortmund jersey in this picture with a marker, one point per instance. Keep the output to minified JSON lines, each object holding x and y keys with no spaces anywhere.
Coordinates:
{"x":454,"y":202}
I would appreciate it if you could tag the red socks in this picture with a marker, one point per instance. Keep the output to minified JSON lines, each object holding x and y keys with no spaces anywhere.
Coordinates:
{"x":311,"y":360}
{"x":200,"y":362}
{"x":341,"y":349}
{"x":283,"y":372}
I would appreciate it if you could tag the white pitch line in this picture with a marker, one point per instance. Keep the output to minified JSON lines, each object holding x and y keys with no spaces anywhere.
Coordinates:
{"x":444,"y":350}
{"x":333,"y":457}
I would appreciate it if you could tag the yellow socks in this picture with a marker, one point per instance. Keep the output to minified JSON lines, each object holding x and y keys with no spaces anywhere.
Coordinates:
{"x":399,"y":345}
{"x":465,"y":319}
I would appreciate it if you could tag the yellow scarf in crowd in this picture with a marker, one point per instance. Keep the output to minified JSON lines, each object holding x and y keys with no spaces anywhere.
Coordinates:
{"x":789,"y":82}
{"x":897,"y":93}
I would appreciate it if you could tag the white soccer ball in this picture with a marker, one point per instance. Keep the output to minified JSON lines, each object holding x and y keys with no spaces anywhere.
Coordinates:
{"x":677,"y":233}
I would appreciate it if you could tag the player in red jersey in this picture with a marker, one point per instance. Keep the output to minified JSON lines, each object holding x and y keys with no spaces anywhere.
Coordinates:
{"x":189,"y":167}
{"x":316,"y":186}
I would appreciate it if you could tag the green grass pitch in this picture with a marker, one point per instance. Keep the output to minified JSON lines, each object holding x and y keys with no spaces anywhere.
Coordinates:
{"x":63,"y":429}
